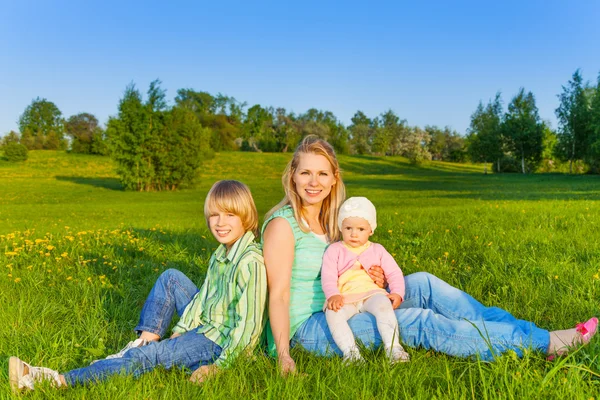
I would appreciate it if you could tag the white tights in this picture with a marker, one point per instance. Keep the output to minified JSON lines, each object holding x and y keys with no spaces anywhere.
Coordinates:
{"x":387,"y":324}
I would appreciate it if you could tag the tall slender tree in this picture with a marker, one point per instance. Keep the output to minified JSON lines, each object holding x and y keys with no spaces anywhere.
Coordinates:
{"x":573,"y":121}
{"x":523,"y":129}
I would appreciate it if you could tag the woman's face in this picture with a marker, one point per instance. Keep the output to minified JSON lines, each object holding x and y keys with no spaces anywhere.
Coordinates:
{"x":313,"y":178}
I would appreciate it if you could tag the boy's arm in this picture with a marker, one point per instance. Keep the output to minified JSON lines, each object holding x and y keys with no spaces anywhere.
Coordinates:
{"x":393,"y":273}
{"x":329,"y":271}
{"x":252,"y":278}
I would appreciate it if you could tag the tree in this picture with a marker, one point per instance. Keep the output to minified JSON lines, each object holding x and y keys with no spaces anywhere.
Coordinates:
{"x":594,"y":125}
{"x":42,"y":125}
{"x":15,"y":152}
{"x":361,"y":133}
{"x":156,"y":147}
{"x":11,"y":137}
{"x":523,"y":129}
{"x":86,"y":134}
{"x":574,"y":119}
{"x":221,"y":114}
{"x":484,"y":139}
{"x":258,"y":129}
{"x":390,"y":129}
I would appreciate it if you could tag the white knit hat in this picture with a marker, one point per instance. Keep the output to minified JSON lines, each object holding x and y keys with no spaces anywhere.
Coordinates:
{"x":358,"y":207}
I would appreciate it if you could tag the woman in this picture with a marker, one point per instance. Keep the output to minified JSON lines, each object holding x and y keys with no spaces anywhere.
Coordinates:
{"x":433,"y":314}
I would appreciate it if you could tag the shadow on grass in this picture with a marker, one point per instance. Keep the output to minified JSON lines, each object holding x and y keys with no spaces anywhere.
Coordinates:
{"x":443,"y":184}
{"x":106,"y":183}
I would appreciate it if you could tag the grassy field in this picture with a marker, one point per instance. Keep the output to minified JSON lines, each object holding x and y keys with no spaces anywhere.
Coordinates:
{"x":78,"y":256}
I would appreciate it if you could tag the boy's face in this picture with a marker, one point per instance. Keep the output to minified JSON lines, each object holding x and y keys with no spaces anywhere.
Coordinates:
{"x":356,"y":231}
{"x":226,"y":227}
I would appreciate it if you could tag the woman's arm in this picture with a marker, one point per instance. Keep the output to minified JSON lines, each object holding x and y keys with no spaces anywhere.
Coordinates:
{"x":278,"y":251}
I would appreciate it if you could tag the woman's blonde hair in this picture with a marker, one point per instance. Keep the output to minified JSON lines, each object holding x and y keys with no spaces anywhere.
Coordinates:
{"x":234,"y":197}
{"x":312,"y":144}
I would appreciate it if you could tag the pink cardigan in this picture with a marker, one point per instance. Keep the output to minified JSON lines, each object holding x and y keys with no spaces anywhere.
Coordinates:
{"x":338,"y":259}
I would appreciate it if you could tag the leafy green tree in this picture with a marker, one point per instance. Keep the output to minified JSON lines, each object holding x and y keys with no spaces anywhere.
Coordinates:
{"x":387,"y":135}
{"x":362,"y":131}
{"x":87,"y":136}
{"x":156,"y":147}
{"x":574,"y":121}
{"x":258,"y":129}
{"x":594,"y":124}
{"x":415,"y":146}
{"x":286,"y":129}
{"x":523,"y":129}
{"x":42,"y":125}
{"x":221,"y":114}
{"x":484,"y":140}
{"x":15,"y":152}
{"x":11,"y":137}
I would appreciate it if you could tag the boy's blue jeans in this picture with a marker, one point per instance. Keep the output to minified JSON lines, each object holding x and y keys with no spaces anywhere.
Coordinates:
{"x":435,"y":315}
{"x":171,"y":292}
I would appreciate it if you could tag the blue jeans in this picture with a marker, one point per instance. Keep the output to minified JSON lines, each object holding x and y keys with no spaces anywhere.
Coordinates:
{"x":171,"y":292}
{"x":435,"y":315}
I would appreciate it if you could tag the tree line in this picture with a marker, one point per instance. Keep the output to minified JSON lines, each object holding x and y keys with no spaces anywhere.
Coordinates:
{"x":158,"y":146}
{"x":518,"y":140}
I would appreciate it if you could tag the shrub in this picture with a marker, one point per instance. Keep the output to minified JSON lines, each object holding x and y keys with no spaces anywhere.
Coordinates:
{"x":15,"y":152}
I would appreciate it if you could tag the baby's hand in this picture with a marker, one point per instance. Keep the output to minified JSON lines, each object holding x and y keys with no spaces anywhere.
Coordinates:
{"x":396,"y":300}
{"x":335,"y":302}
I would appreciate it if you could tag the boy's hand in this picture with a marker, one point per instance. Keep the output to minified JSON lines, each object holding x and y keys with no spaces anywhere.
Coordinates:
{"x":378,"y":276}
{"x":396,"y":300}
{"x":335,"y":302}
{"x":203,"y":373}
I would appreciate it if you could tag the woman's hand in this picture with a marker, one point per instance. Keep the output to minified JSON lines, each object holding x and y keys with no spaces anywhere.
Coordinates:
{"x":335,"y":302}
{"x":176,"y":334}
{"x":396,"y":300}
{"x":287,"y":366}
{"x":203,"y":373}
{"x":378,"y":276}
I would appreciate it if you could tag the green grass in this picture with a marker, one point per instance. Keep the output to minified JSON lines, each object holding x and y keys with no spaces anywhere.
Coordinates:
{"x":78,"y":256}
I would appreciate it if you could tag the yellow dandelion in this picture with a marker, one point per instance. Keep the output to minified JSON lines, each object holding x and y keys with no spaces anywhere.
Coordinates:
{"x":69,"y":278}
{"x":10,"y":253}
{"x":596,"y":276}
{"x":17,"y":280}
{"x":50,"y":247}
{"x":64,"y":254}
{"x":89,"y":279}
{"x":47,"y":254}
{"x":490,"y":243}
{"x":30,"y":267}
{"x":390,"y":231}
{"x":446,"y":254}
{"x":555,"y":276}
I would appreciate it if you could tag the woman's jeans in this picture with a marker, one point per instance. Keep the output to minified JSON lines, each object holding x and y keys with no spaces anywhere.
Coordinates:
{"x":435,"y":315}
{"x":171,"y":292}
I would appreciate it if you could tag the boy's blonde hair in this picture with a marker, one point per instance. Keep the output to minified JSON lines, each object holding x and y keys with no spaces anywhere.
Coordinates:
{"x":234,"y":197}
{"x":312,"y":144}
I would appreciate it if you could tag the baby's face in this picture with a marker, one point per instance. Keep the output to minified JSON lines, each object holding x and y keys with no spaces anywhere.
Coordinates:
{"x":356,"y":231}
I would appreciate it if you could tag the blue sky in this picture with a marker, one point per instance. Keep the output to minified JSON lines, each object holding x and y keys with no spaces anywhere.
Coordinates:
{"x":429,"y":61}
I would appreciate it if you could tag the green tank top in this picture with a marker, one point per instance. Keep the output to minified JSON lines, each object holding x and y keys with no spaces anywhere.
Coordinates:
{"x":306,"y":293}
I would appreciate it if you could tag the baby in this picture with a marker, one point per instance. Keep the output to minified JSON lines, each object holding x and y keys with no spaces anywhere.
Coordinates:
{"x":348,"y":287}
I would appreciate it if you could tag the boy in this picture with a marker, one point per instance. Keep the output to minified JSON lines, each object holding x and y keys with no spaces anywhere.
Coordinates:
{"x":218,"y":323}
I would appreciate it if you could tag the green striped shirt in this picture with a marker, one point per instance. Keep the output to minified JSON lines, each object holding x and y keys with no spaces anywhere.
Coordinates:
{"x":229,"y":309}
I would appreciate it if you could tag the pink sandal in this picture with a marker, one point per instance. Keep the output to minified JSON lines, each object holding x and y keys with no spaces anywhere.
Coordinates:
{"x":587,"y":330}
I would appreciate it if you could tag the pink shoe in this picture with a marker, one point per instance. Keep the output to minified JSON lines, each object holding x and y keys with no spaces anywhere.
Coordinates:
{"x":587,"y":329}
